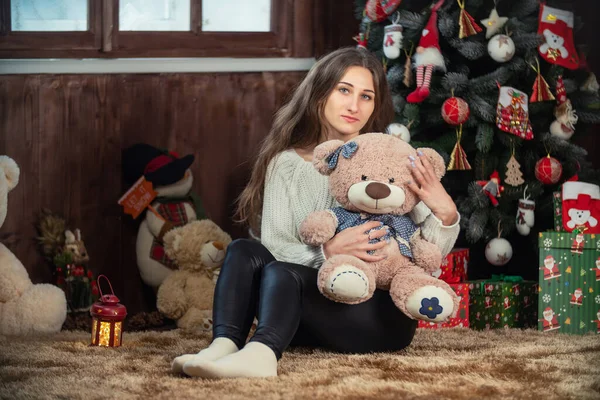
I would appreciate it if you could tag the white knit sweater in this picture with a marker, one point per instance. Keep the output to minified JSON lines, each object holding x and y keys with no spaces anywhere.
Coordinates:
{"x":294,"y":189}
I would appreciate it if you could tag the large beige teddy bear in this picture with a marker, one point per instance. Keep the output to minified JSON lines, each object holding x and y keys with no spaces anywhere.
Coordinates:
{"x":367,"y":177}
{"x":25,"y":308}
{"x":186,"y":295}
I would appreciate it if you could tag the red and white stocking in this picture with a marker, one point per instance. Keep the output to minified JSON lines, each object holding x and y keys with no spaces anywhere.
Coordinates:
{"x":556,"y":26}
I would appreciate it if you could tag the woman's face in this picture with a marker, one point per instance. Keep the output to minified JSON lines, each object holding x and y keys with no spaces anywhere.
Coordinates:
{"x":350,"y":104}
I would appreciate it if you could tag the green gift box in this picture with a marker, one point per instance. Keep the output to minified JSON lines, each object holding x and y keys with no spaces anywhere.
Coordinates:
{"x":557,"y":203}
{"x":502,"y":302}
{"x":569,"y":296}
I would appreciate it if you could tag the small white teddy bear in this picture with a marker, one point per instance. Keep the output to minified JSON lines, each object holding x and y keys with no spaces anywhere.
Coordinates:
{"x":554,"y":42}
{"x":25,"y":308}
{"x":580,"y":217}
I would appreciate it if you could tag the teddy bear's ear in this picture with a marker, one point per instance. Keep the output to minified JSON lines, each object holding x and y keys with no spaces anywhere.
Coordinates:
{"x":439,"y":167}
{"x":321,"y":153}
{"x":172,"y":242}
{"x":11,"y":171}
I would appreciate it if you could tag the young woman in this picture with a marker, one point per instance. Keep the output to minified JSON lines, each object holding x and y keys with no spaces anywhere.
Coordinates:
{"x":343,"y":95}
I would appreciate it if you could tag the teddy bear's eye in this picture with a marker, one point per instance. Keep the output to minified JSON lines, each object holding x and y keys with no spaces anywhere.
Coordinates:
{"x":392,"y":180}
{"x":364,"y":177}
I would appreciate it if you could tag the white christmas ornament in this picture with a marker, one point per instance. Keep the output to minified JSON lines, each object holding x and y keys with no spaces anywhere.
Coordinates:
{"x":501,"y":48}
{"x":400,"y":131}
{"x":493,"y":23}
{"x":392,"y":41}
{"x":498,"y":251}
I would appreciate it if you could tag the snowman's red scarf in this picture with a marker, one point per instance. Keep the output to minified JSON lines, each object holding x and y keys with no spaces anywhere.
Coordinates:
{"x":174,"y":212}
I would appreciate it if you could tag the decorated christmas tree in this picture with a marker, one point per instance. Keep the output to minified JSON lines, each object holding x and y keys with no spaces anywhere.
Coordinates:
{"x":498,"y":88}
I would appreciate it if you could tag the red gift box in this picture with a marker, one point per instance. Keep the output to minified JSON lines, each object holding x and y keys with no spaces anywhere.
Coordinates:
{"x":454,"y":266}
{"x":462,"y":316}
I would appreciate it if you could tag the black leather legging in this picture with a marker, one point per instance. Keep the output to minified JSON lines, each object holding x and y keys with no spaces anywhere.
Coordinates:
{"x":291,"y":310}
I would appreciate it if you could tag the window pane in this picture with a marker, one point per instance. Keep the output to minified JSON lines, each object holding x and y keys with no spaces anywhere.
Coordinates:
{"x":236,"y":15}
{"x":154,"y":15}
{"x":44,"y":15}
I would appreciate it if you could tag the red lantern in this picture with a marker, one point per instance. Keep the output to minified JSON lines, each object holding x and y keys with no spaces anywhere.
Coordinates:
{"x":455,"y":111}
{"x":107,"y":318}
{"x":548,"y":170}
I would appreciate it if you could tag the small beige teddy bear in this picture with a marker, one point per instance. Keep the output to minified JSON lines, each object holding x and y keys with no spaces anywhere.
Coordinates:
{"x":186,"y":295}
{"x":367,"y":177}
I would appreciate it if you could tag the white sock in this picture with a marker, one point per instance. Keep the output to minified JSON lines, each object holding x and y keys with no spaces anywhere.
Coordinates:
{"x":219,"y":347}
{"x":254,"y":360}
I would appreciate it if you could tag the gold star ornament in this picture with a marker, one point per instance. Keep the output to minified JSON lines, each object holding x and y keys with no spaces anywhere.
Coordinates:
{"x":493,"y":23}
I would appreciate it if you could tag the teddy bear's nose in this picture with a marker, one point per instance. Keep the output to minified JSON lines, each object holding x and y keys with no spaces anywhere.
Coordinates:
{"x":377,"y":190}
{"x":218,"y":245}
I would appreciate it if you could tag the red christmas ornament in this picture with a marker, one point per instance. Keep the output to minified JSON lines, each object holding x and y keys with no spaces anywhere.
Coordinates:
{"x":378,"y":10}
{"x":455,"y":111}
{"x":548,"y":170}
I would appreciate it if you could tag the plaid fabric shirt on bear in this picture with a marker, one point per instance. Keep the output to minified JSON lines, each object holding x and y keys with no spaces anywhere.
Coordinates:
{"x":402,"y":228}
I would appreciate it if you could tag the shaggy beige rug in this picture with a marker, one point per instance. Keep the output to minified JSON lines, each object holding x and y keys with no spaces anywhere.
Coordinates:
{"x":443,"y":364}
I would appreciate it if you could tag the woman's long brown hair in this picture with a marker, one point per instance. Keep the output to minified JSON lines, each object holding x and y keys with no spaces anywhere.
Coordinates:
{"x":299,"y":123}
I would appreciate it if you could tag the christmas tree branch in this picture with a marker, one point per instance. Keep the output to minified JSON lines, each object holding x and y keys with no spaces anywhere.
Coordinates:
{"x":485,"y":137}
{"x":482,"y":109}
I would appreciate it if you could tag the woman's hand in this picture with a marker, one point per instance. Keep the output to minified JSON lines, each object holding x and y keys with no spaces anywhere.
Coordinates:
{"x":430,"y":190}
{"x":355,"y":242}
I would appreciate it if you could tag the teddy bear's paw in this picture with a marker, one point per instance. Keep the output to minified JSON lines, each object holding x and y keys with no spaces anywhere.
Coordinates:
{"x":347,"y":284}
{"x":430,"y":303}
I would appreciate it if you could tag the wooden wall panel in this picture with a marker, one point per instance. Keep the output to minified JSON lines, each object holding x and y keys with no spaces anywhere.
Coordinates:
{"x":67,"y":131}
